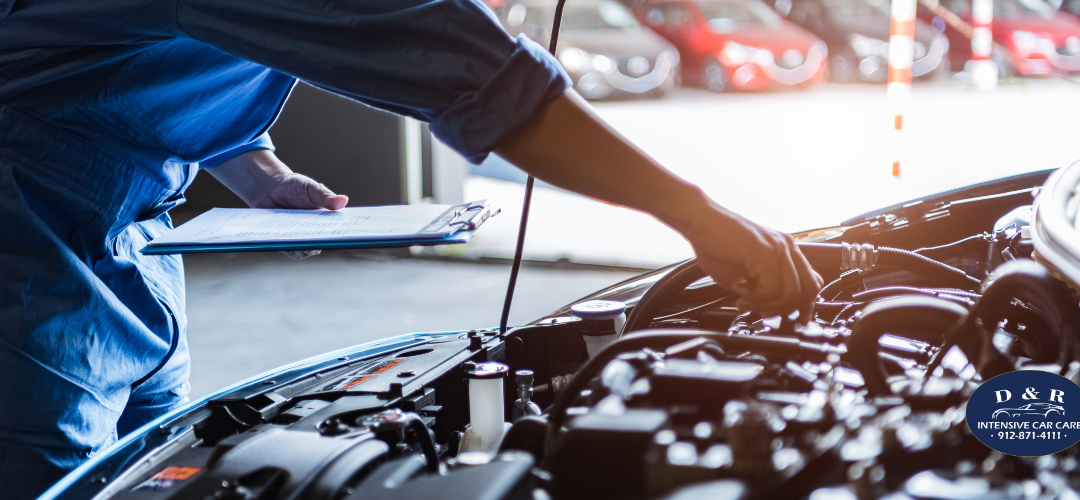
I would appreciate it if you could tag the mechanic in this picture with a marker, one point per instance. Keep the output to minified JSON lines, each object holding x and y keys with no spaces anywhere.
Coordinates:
{"x":109,"y":108}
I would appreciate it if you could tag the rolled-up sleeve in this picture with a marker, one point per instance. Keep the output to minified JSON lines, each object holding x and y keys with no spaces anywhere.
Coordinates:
{"x":447,"y":62}
{"x":261,"y":142}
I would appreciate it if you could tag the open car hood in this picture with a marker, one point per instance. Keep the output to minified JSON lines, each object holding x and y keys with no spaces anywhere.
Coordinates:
{"x":678,"y":409}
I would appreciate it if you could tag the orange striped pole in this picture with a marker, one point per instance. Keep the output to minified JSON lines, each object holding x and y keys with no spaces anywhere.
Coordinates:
{"x":981,"y":69}
{"x":901,"y":54}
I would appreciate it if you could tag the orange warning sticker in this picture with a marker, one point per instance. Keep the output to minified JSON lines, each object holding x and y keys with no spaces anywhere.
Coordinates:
{"x":388,"y":366}
{"x":177,"y":473}
{"x":356,"y":382}
{"x":167,"y":478}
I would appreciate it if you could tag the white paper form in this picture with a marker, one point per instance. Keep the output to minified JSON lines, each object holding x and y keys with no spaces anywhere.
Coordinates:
{"x":252,"y":225}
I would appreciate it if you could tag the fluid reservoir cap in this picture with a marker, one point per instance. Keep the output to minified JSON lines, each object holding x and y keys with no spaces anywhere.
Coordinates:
{"x":489,"y":369}
{"x":598,"y":309}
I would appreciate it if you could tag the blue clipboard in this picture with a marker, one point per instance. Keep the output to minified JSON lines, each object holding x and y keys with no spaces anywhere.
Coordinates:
{"x":453,"y":239}
{"x":466,"y":217}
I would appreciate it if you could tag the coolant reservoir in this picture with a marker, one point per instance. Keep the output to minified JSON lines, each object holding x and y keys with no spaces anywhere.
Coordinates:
{"x":605,"y":319}
{"x":485,"y":406}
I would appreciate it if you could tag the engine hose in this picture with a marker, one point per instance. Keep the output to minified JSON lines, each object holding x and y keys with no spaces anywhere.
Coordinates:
{"x":675,"y":281}
{"x":427,"y":443}
{"x":867,"y":258}
{"x":832,"y":290}
{"x":914,"y":316}
{"x":961,"y":296}
{"x":1029,"y":282}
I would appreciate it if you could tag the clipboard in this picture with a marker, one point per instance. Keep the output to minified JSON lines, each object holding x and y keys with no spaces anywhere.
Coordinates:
{"x":456,"y":225}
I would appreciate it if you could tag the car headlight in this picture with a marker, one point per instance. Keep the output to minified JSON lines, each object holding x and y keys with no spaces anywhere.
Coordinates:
{"x":575,"y":60}
{"x":672,"y":56}
{"x":736,"y":53}
{"x":820,"y":47}
{"x":1024,"y":41}
{"x":865,"y":46}
{"x":604,"y":64}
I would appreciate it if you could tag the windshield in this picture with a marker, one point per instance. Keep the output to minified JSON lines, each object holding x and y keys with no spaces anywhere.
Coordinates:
{"x":1006,"y":8}
{"x":1022,"y":8}
{"x":728,"y":16}
{"x":604,"y":15}
{"x":857,"y":9}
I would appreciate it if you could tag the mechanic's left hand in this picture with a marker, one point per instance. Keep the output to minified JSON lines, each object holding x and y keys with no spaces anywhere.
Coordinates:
{"x":294,"y":190}
{"x":263,"y":181}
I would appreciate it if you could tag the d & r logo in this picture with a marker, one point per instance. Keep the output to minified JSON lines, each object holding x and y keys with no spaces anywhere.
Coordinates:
{"x":1024,"y":413}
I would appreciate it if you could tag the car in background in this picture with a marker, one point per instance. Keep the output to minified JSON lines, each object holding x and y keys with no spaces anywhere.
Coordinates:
{"x":736,"y":44}
{"x":604,"y":49}
{"x":1039,"y":39}
{"x":857,"y":33}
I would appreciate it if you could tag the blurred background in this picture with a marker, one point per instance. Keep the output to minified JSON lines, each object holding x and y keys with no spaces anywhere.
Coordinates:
{"x":777,"y":109}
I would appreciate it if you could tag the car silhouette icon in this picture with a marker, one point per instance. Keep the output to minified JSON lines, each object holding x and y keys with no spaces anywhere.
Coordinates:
{"x":1043,"y":409}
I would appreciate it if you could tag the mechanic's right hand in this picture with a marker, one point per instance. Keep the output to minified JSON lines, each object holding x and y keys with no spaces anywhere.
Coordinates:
{"x":263,"y":181}
{"x":764,"y":266}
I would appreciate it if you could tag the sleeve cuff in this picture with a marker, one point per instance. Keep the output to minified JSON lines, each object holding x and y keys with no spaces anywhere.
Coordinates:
{"x":478,"y":121}
{"x":261,"y":142}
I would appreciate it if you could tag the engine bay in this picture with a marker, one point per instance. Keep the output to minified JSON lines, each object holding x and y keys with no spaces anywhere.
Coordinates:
{"x":688,"y":398}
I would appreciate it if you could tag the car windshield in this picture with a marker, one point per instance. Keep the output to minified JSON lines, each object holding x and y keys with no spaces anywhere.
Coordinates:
{"x":1006,"y":8}
{"x":729,"y":16}
{"x":857,"y":9}
{"x":1022,"y":8}
{"x":607,"y":15}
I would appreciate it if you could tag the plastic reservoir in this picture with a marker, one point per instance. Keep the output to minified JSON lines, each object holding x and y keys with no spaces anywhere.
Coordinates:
{"x":609,"y":316}
{"x":486,"y":402}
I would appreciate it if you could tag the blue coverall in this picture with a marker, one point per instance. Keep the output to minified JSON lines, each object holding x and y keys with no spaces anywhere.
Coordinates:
{"x":108,"y":108}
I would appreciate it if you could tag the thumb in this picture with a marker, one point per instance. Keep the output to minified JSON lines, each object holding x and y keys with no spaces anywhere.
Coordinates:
{"x":323,"y":197}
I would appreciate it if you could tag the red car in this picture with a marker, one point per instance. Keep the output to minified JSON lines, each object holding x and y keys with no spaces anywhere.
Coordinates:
{"x":1040,"y":39}
{"x":736,"y":44}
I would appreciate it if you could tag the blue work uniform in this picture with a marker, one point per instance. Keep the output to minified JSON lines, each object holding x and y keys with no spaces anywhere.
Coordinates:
{"x":107,"y":110}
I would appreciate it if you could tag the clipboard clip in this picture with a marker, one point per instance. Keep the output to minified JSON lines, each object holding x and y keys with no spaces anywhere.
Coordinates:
{"x":473,"y":216}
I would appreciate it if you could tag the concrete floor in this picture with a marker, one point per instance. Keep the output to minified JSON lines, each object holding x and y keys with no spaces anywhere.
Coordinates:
{"x":248,"y":313}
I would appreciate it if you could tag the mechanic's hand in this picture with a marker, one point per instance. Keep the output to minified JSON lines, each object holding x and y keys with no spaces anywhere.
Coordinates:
{"x":764,"y":266}
{"x":298,"y":191}
{"x":263,"y":181}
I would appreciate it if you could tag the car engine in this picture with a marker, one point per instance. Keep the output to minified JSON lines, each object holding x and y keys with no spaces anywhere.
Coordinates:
{"x":688,"y":398}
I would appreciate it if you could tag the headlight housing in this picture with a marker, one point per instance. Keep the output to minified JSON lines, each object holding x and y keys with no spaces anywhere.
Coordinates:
{"x":735,"y":54}
{"x":1027,"y":42}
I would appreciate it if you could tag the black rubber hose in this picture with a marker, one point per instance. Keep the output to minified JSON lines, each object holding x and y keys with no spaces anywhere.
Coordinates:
{"x":821,"y":254}
{"x":427,"y":442}
{"x":660,"y":293}
{"x":930,"y":268}
{"x":832,"y":290}
{"x":1029,"y":282}
{"x":914,"y":316}
{"x":888,"y":257}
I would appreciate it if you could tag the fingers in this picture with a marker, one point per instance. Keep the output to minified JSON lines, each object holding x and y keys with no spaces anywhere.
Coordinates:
{"x":786,"y":281}
{"x":323,"y":197}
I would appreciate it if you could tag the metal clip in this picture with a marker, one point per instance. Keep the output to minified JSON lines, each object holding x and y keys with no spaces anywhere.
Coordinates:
{"x":473,"y":216}
{"x":854,"y":256}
